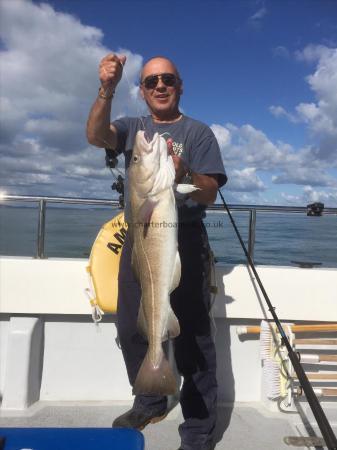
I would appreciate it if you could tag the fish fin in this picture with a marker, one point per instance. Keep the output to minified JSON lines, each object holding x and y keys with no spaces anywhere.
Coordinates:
{"x":176,"y":273}
{"x":146,"y":210}
{"x":141,"y":322}
{"x":173,"y":327}
{"x":151,"y":379}
{"x":186,"y":188}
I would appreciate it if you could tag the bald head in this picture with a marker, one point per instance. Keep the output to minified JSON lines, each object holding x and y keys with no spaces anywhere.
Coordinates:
{"x":161,"y":95}
{"x":158,"y":64}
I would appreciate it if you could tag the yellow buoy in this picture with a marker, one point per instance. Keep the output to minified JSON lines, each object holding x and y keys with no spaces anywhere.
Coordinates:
{"x":104,"y":265}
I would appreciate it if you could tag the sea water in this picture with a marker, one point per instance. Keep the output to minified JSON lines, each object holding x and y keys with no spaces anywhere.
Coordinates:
{"x":281,"y":239}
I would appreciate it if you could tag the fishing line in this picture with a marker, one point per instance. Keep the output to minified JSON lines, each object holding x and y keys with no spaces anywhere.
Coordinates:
{"x":314,"y":404}
{"x":111,"y":154}
{"x":139,"y":111}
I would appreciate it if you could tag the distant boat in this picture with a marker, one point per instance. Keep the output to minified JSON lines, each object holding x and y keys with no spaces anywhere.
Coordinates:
{"x":315,"y":209}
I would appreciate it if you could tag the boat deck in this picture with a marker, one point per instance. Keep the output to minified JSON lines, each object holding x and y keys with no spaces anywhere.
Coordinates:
{"x":246,"y":426}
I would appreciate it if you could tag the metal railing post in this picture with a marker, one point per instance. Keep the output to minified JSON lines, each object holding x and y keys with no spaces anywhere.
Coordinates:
{"x":252,"y":228}
{"x":115,"y":203}
{"x":41,"y":229}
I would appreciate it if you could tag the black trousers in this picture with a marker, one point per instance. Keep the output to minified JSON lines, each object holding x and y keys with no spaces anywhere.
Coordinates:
{"x":194,"y":349}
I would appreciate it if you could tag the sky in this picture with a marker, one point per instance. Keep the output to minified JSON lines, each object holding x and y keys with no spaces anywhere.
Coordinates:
{"x":261,"y":74}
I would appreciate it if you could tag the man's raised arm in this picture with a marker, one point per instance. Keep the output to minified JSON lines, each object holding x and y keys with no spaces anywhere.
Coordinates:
{"x":99,"y":130}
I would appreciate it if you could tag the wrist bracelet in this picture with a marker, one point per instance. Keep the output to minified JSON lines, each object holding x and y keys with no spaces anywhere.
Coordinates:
{"x":107,"y":95}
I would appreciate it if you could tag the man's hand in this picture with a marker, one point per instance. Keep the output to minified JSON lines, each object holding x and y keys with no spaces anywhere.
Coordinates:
{"x":177,"y":161}
{"x":99,"y":131}
{"x":207,"y":184}
{"x":110,"y":70}
{"x":208,"y":188}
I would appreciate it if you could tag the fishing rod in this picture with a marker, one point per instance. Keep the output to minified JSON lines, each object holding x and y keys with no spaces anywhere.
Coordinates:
{"x":322,"y":421}
{"x":118,"y":185}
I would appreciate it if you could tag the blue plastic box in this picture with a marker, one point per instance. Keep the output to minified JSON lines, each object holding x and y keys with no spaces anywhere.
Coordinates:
{"x":72,"y":439}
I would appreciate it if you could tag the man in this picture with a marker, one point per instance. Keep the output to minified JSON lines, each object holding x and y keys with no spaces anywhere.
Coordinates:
{"x":197,"y":159}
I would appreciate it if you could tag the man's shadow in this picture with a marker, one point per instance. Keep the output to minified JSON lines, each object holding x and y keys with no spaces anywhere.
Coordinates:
{"x":225,"y":378}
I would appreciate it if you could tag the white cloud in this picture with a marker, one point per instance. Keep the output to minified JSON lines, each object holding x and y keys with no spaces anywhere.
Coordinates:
{"x":291,"y":199}
{"x":321,"y":115}
{"x":256,"y":18}
{"x":281,"y":51}
{"x":247,"y":146}
{"x":222,"y":134}
{"x":279,"y":111}
{"x":312,"y":53}
{"x":248,"y":152}
{"x":245,"y":180}
{"x":311,"y":195}
{"x":49,"y":79}
{"x":304,"y":175}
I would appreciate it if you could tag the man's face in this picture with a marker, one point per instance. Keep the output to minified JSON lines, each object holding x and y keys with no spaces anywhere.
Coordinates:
{"x":161,"y":99}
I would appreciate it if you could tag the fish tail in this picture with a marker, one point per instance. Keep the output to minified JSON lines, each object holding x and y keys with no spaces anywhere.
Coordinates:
{"x":153,"y":379}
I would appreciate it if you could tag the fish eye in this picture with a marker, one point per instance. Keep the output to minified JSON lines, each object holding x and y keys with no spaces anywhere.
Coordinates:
{"x":135,"y":158}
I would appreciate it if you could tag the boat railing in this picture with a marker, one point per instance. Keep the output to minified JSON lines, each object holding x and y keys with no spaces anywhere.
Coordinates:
{"x":43,"y":201}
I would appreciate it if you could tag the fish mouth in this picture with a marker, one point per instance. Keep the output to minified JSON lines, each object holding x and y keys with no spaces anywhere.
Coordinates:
{"x":155,"y":138}
{"x":145,"y":141}
{"x":147,"y":137}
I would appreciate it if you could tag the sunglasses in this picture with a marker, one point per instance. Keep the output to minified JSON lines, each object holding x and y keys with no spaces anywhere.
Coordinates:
{"x":151,"y":81}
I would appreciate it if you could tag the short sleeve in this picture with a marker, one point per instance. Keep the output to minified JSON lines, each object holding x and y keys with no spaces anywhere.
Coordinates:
{"x":205,"y":156}
{"x":127,"y":128}
{"x":122,"y":126}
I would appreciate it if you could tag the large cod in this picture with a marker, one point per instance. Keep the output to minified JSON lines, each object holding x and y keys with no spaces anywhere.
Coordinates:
{"x":155,"y":258}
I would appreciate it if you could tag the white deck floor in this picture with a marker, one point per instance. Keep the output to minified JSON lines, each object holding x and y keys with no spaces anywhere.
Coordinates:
{"x":247,"y":426}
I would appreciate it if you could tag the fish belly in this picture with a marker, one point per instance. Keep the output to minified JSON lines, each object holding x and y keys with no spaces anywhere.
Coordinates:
{"x":157,"y":266}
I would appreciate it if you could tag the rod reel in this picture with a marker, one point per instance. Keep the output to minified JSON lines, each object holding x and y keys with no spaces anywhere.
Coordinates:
{"x":111,"y":162}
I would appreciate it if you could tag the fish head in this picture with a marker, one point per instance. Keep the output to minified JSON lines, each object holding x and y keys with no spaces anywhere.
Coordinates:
{"x":151,"y":167}
{"x":144,"y":160}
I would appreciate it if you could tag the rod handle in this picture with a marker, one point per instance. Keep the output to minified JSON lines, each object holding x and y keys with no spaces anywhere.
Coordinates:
{"x":321,"y":376}
{"x":248,"y":330}
{"x":326,"y":392}
{"x":315,"y":358}
{"x":324,"y":327}
{"x":315,"y":341}
{"x":294,"y":328}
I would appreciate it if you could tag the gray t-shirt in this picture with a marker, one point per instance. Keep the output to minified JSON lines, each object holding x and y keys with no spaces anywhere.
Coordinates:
{"x":192,"y":140}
